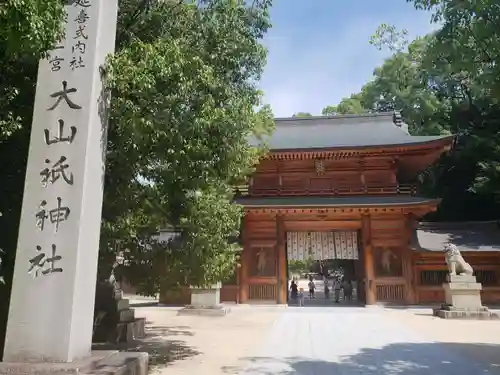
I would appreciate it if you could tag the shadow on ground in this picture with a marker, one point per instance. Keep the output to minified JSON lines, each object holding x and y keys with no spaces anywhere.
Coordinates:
{"x":163,"y":344}
{"x":394,"y":359}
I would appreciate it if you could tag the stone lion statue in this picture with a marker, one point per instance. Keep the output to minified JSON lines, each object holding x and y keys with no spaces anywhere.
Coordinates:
{"x":455,"y":262}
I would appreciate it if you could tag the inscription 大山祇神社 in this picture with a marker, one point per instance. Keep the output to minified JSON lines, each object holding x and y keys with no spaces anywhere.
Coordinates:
{"x":57,"y":270}
{"x":56,"y":171}
{"x":55,"y":215}
{"x":41,"y":263}
{"x":63,"y":94}
{"x":60,"y":134}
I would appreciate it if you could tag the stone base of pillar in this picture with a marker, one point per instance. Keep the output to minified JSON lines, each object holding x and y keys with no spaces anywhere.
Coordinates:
{"x":129,"y":328}
{"x":113,"y":362}
{"x":205,"y":302}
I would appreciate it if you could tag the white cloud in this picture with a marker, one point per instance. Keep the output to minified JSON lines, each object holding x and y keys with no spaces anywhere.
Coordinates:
{"x":307,"y":76}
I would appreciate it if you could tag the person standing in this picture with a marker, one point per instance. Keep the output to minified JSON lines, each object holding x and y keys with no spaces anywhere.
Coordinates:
{"x":312,"y":287}
{"x":347,"y":286}
{"x":337,"y":286}
{"x":301,"y":297}
{"x":294,"y":291}
{"x":327,"y":288}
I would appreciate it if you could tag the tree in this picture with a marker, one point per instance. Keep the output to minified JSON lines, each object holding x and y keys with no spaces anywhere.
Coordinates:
{"x":438,"y":94}
{"x":28,"y":29}
{"x":399,"y":84}
{"x":347,"y":106}
{"x":183,"y":102}
{"x":469,"y":44}
{"x":387,"y":36}
{"x":30,"y":26}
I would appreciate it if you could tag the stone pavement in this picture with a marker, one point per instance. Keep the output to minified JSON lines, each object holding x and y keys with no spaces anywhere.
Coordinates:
{"x":203,"y":345}
{"x":480,"y":340}
{"x":352,"y":341}
{"x":344,"y":340}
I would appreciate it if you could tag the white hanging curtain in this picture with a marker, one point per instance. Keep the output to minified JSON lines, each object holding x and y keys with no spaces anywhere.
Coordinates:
{"x":322,"y":245}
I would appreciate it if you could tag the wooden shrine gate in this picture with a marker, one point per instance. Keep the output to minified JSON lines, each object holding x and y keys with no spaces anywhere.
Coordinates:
{"x":304,"y":245}
{"x":373,"y":252}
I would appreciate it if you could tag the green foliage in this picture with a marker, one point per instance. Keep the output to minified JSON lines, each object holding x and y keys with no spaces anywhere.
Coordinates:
{"x":30,"y":27}
{"x":388,"y":36}
{"x":347,"y":106}
{"x":302,"y":114}
{"x":184,"y":104}
{"x":203,"y":253}
{"x":299,"y":266}
{"x":182,"y":111}
{"x":447,"y":83}
{"x":468,"y":47}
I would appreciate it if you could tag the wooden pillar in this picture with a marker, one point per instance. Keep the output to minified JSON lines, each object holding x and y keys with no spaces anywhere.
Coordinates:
{"x":245,"y":264}
{"x":394,"y":172}
{"x":282,"y":280}
{"x":408,"y":261}
{"x":362,"y":173}
{"x":368,"y":260}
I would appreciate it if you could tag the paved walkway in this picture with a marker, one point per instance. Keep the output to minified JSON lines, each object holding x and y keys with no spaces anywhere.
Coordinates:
{"x":352,"y":341}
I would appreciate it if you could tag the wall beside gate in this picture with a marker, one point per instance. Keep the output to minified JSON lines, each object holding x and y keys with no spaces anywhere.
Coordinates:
{"x":392,"y":259}
{"x":259,"y":271}
{"x":431,"y":271}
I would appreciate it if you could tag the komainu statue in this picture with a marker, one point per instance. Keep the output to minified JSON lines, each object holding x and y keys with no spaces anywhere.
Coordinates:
{"x":456,"y":263}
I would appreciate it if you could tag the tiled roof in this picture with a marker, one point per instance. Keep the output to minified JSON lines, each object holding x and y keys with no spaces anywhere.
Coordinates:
{"x":467,"y":236}
{"x":343,"y":131}
{"x":356,"y":201}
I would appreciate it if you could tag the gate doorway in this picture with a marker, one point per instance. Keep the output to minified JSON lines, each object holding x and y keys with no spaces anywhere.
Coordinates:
{"x":331,"y":258}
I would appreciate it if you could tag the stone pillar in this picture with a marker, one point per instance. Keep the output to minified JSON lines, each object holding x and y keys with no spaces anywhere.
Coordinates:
{"x":52,"y":304}
{"x":281,"y":260}
{"x":368,"y":261}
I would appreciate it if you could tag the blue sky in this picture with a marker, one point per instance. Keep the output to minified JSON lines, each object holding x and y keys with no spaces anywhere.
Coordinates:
{"x":319,"y":50}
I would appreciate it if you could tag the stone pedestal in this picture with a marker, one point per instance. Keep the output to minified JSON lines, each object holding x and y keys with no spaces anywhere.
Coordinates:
{"x":129,"y":327}
{"x":99,"y":362}
{"x":205,"y":301}
{"x":463,"y":300}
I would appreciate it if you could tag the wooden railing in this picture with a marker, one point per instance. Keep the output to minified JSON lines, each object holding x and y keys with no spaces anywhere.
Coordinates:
{"x":263,"y":292}
{"x":390,"y":292}
{"x":438,"y":277}
{"x":335,"y":191}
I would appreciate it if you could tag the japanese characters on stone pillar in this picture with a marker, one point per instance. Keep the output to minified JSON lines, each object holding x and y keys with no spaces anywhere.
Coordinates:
{"x":51,"y":308}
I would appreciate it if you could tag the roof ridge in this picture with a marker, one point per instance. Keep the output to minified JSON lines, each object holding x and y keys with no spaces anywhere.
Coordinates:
{"x":336,"y":117}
